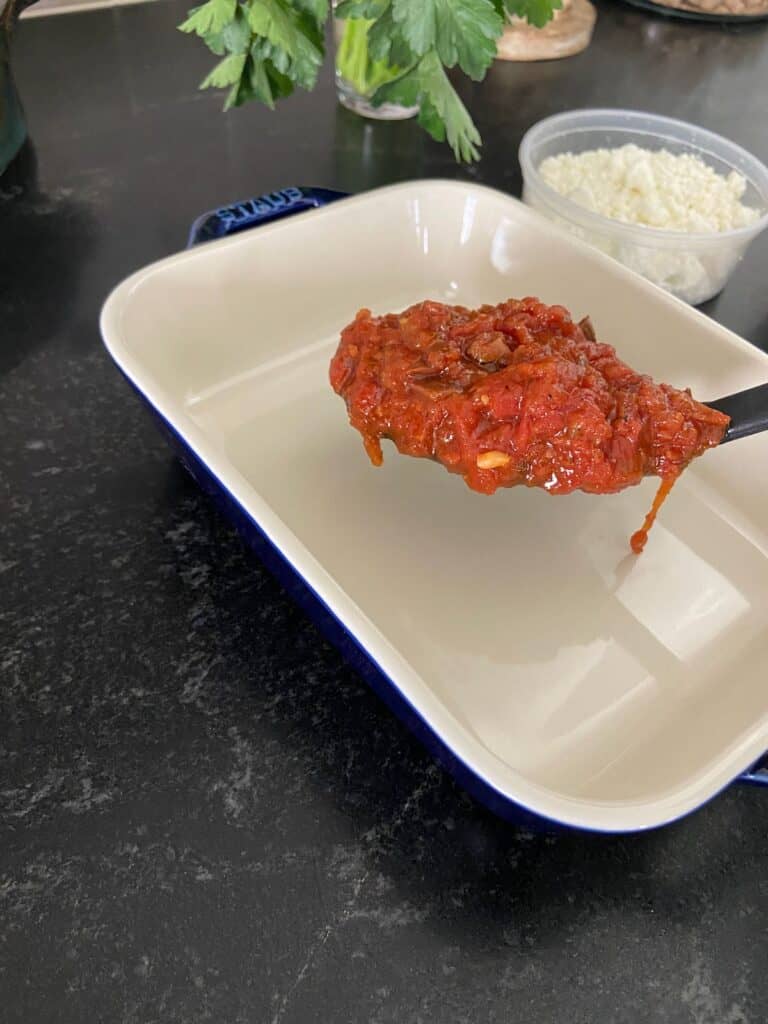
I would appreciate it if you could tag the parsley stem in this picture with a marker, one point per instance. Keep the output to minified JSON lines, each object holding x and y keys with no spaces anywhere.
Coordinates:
{"x":353,"y":61}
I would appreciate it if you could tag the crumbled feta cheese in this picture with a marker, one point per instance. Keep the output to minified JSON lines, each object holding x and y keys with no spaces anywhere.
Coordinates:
{"x":654,"y":188}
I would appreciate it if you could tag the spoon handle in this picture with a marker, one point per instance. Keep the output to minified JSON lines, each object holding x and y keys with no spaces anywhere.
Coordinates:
{"x":748,"y":411}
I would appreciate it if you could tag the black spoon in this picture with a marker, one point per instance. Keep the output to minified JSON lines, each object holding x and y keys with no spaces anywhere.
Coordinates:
{"x":748,"y":411}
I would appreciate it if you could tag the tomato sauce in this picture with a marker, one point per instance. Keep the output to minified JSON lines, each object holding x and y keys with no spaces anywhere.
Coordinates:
{"x":517,"y":393}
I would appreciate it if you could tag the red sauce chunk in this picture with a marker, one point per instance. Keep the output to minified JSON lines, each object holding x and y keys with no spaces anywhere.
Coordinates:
{"x":515,"y":394}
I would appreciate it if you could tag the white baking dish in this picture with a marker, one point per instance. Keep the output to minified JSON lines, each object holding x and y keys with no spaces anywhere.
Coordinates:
{"x":553,"y":670}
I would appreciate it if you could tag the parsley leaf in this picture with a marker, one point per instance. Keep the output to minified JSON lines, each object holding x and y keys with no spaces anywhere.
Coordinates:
{"x":227,"y":72}
{"x":278,"y":24}
{"x":317,"y":9}
{"x":353,"y":61}
{"x":280,"y":84}
{"x":466,"y":34}
{"x":441,"y":111}
{"x":215,"y":42}
{"x":209,"y":18}
{"x":242,"y":90}
{"x":417,"y":22}
{"x":387,"y":43}
{"x":236,"y":36}
{"x":463,"y":32}
{"x":369,"y":10}
{"x":259,"y":80}
{"x":536,"y":12}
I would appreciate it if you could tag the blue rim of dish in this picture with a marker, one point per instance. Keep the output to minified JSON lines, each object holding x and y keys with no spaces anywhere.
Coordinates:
{"x":679,"y":14}
{"x":255,"y":212}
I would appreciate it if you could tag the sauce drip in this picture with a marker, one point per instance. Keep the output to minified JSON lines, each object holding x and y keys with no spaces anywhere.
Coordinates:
{"x":639,"y":538}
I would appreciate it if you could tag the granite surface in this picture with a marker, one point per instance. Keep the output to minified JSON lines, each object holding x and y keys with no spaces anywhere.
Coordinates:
{"x":204,"y":815}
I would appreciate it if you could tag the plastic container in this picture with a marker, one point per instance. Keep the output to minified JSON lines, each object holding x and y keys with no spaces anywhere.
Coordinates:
{"x":693,"y":266}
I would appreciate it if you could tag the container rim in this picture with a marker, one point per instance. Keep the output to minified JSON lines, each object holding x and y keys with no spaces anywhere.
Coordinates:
{"x":701,"y":139}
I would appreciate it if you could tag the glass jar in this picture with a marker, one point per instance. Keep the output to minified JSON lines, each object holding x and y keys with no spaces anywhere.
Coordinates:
{"x":358,"y":77}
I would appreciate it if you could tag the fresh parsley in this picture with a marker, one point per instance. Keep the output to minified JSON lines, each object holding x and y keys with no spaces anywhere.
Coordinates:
{"x":210,"y":18}
{"x":441,"y":111}
{"x":392,"y":51}
{"x":536,"y":12}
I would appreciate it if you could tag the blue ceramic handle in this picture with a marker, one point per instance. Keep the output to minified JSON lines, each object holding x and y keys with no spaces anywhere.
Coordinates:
{"x":251,"y":213}
{"x":757,"y":775}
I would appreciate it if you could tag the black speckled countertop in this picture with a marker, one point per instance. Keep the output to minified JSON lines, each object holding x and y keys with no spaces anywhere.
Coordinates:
{"x":204,"y":815}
